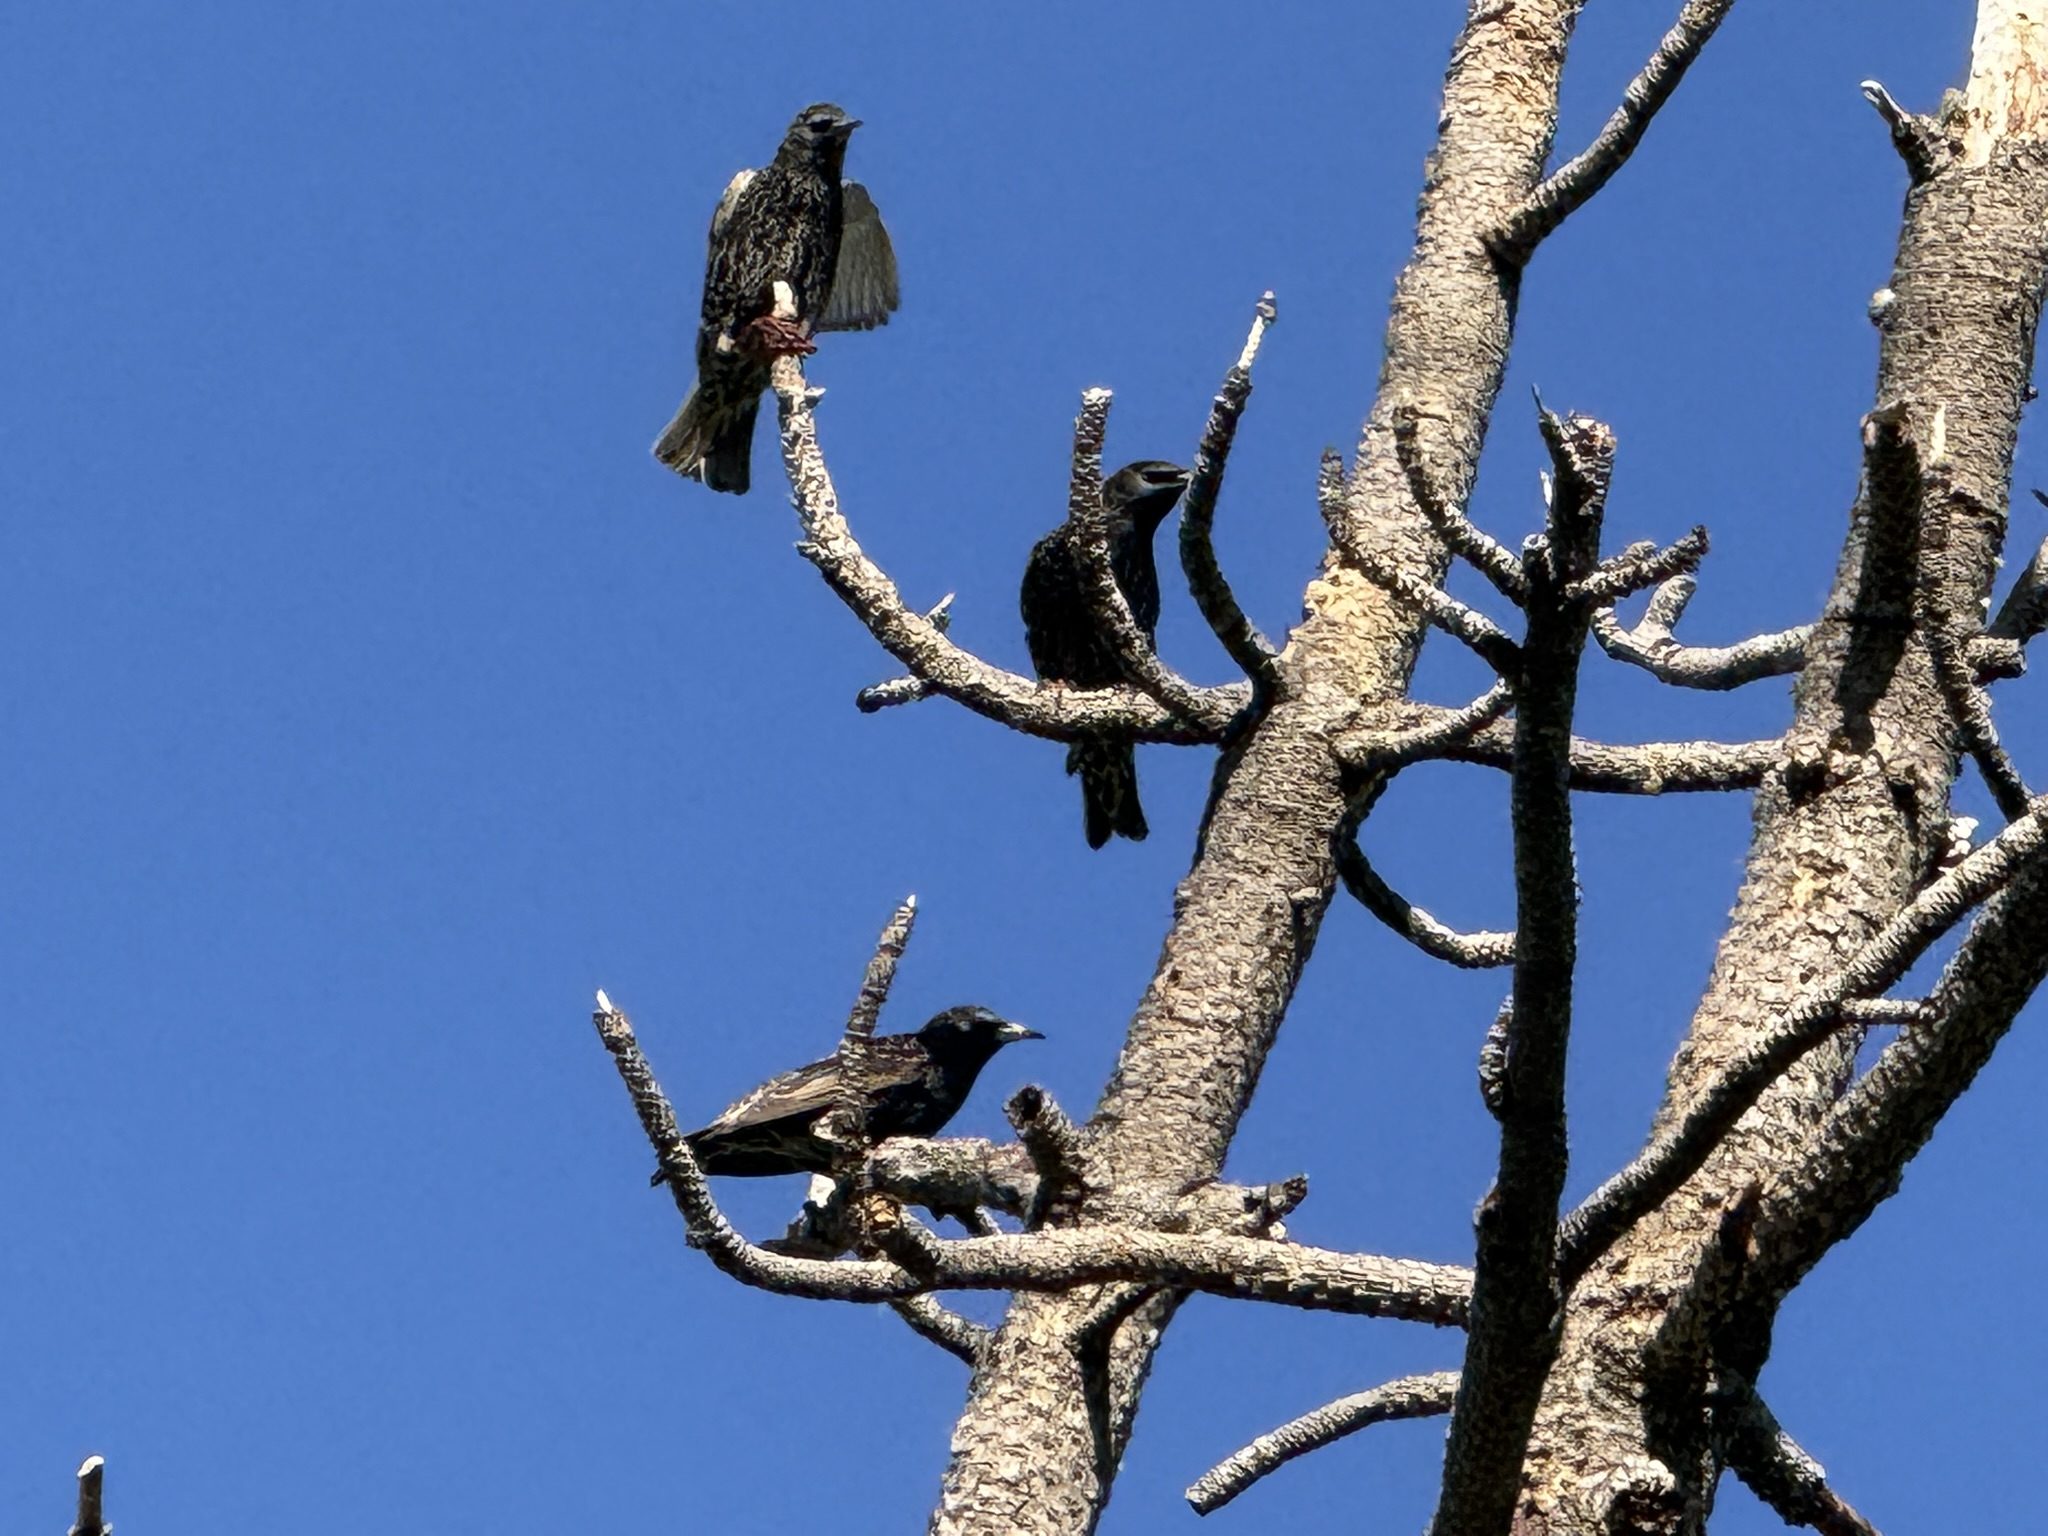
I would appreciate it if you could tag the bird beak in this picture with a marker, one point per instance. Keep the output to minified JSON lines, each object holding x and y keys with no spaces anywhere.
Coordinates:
{"x":846,"y":128}
{"x":1010,"y":1032}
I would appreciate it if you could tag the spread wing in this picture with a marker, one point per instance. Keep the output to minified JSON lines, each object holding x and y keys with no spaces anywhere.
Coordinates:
{"x":809,"y":1090}
{"x":727,"y":202}
{"x":864,"y":284}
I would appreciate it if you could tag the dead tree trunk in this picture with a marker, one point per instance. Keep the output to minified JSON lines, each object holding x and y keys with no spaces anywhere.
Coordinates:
{"x":1612,"y":1351}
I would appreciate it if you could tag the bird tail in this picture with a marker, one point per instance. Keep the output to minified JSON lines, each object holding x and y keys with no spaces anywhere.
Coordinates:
{"x":1109,"y":790}
{"x":709,"y":444}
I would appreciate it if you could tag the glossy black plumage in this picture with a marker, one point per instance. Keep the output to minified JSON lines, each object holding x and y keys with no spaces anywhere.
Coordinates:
{"x":1068,"y":646}
{"x":796,"y":222}
{"x":917,"y":1082}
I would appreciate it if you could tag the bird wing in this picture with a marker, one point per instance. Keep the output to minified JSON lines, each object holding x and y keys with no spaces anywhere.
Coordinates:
{"x":728,"y":201}
{"x":864,"y":283}
{"x":814,"y":1088}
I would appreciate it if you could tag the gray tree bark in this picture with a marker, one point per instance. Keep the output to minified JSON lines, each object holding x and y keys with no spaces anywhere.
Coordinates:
{"x":1613,"y":1351}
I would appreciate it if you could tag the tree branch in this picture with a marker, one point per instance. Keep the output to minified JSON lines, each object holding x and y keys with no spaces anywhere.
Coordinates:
{"x":1774,"y":1468}
{"x":1107,"y":605}
{"x":1377,"y":751}
{"x":1516,"y":1299}
{"x":953,"y":1333}
{"x":91,"y":1520}
{"x":1470,"y":951}
{"x":1651,"y":646}
{"x":1465,"y":539}
{"x":1572,"y":185}
{"x":920,"y":644}
{"x":1222,"y":1264}
{"x":1467,"y":625}
{"x":1411,"y":1397}
{"x":1674,"y":1156}
{"x":1252,"y":652}
{"x":1054,"y":1146}
{"x":1646,"y":768}
{"x":1918,"y":141}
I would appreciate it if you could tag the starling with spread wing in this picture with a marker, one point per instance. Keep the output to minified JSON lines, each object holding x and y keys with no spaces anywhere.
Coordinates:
{"x":1068,"y":646}
{"x":916,"y":1083}
{"x":793,"y":223}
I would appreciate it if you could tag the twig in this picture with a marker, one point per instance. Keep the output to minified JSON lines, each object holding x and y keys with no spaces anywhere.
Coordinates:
{"x":1221,"y":1264}
{"x":1479,"y":549}
{"x":1916,"y":139}
{"x":1651,"y":646}
{"x":1947,"y":613}
{"x":1470,"y":951}
{"x":1571,"y":185}
{"x":1644,"y":768}
{"x":855,"y":1046}
{"x":1677,"y":1154}
{"x":1382,"y":751}
{"x":920,"y":644}
{"x":2024,"y":613}
{"x":906,"y":690}
{"x":1251,"y":650}
{"x":1411,"y":1397}
{"x":1887,"y":1010}
{"x":1774,"y":1468}
{"x":91,"y":1520}
{"x":1107,"y":605}
{"x":1516,"y":1301}
{"x":1639,"y":567}
{"x":1054,"y":1146}
{"x":944,"y":1327}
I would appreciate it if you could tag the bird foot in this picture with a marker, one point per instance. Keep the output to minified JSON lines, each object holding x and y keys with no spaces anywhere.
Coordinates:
{"x":774,"y":336}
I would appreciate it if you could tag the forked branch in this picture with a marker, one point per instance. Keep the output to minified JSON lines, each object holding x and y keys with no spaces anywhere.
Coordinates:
{"x":1651,"y":645}
{"x":920,"y":643}
{"x":1572,"y":185}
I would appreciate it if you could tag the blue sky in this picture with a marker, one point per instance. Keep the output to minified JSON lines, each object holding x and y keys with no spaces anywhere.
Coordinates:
{"x":371,"y":697}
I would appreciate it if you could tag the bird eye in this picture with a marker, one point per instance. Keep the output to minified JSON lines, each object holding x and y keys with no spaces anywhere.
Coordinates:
{"x":822,"y":125}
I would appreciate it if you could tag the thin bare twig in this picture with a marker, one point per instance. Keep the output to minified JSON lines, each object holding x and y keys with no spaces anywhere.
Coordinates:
{"x":1443,"y":729}
{"x":1572,"y":185}
{"x":944,"y":1327}
{"x":1107,"y":605}
{"x":1917,"y":140}
{"x":1677,"y":1154}
{"x":1464,"y":538}
{"x":1251,"y":650}
{"x":921,"y":645}
{"x":1411,"y":1397}
{"x":1774,"y":1468}
{"x":1639,"y":567}
{"x":1651,"y":646}
{"x":1470,"y":951}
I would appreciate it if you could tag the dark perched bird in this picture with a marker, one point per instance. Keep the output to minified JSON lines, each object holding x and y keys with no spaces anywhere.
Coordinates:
{"x":1067,"y":645}
{"x":794,"y":222}
{"x":916,"y":1083}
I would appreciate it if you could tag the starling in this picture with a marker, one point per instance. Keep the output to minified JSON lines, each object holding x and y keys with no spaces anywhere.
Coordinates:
{"x":793,"y":223}
{"x":1067,"y":646}
{"x":916,"y":1084}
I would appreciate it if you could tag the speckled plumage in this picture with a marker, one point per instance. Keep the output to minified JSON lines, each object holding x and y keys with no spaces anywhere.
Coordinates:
{"x":794,"y":221}
{"x":917,"y":1082}
{"x":1068,"y":646}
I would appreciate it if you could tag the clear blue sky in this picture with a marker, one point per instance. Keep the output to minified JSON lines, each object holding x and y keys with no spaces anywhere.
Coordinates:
{"x":371,"y":697}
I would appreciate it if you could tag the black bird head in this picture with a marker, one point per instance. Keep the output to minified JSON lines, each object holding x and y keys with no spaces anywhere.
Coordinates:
{"x":819,"y":134}
{"x":962,"y":1033}
{"x":1144,"y":492}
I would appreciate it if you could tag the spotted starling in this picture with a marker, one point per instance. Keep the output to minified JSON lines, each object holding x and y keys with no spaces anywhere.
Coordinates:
{"x":1068,"y":647}
{"x":796,"y":223}
{"x":916,"y":1084}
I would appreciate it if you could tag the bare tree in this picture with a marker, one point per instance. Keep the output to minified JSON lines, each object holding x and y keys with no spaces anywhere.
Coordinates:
{"x":1612,"y":1351}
